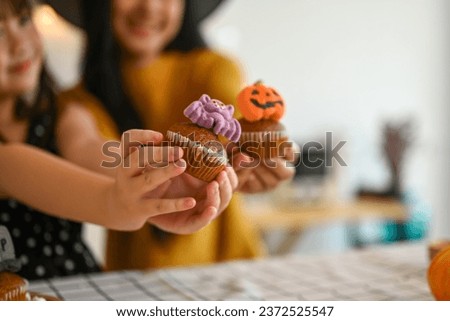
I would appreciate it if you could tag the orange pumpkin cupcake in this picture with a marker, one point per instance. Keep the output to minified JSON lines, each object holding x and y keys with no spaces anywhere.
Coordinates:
{"x":203,"y":152}
{"x":262,"y":133}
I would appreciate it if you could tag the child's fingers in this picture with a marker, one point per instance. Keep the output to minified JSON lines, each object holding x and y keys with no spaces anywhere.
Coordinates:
{"x":153,"y":177}
{"x":164,"y":206}
{"x":155,"y":157}
{"x":134,"y":164}
{"x":137,"y":137}
{"x":162,"y":154}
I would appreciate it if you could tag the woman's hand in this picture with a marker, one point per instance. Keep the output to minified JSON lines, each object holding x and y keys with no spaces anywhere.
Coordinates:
{"x":267,"y":174}
{"x":212,"y":198}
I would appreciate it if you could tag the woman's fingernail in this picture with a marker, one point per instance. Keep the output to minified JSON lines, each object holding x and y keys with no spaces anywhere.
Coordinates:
{"x":189,"y":203}
{"x":180,"y":163}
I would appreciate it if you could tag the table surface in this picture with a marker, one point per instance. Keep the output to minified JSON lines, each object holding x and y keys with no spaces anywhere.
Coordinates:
{"x":391,"y":272}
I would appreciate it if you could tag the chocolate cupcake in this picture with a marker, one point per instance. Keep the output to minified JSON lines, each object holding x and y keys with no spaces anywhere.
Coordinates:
{"x":204,"y":153}
{"x":262,"y":135}
{"x":12,"y":287}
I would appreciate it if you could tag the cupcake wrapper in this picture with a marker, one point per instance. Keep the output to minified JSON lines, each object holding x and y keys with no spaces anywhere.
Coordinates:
{"x":17,"y":294}
{"x":202,"y":162}
{"x":263,"y":144}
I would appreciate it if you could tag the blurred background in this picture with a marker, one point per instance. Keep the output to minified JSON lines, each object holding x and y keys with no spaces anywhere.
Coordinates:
{"x":348,"y":67}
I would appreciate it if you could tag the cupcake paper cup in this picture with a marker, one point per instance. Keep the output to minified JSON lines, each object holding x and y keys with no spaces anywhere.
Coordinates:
{"x":262,"y":144}
{"x":12,"y":287}
{"x":203,"y":162}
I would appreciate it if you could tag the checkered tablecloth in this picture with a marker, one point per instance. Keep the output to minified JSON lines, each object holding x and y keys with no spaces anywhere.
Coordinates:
{"x":395,"y":272}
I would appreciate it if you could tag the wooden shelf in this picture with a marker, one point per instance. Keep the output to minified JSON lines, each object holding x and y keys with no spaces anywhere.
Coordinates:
{"x":298,"y":217}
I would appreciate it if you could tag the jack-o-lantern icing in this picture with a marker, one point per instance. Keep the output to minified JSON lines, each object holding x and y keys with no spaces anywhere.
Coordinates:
{"x":257,"y":102}
{"x":212,"y":113}
{"x":263,"y":136}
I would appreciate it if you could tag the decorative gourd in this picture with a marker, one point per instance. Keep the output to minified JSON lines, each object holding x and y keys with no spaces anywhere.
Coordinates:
{"x":258,"y":102}
{"x":439,"y":275}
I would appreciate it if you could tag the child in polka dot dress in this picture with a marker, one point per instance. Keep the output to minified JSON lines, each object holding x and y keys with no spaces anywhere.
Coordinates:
{"x":43,"y":198}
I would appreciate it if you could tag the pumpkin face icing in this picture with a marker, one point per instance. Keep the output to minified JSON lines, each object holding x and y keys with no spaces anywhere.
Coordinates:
{"x":258,"y":102}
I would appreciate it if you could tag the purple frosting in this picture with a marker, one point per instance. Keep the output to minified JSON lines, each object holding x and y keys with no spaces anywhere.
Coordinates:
{"x":212,"y":113}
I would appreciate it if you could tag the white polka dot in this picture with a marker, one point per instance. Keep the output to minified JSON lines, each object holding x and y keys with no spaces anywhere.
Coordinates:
{"x":47,"y":250}
{"x":5,"y":217}
{"x":12,"y":203}
{"x":39,"y":130}
{"x":31,"y":242}
{"x":40,"y":270}
{"x":48,"y":237}
{"x":24,"y":259}
{"x":37,"y":228}
{"x":16,"y":232}
{"x":59,"y":250}
{"x":63,"y":236}
{"x":78,"y":247}
{"x":69,"y":265}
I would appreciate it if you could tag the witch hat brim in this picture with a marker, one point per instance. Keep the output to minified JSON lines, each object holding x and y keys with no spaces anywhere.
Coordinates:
{"x":71,"y":9}
{"x":68,"y":9}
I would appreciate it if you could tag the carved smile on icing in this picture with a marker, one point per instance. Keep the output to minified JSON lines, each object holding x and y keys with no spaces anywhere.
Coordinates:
{"x":269,"y":104}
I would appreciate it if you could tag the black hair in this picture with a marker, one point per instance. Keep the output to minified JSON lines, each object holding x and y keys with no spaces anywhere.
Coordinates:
{"x":15,"y":7}
{"x":102,"y":73}
{"x":189,"y":36}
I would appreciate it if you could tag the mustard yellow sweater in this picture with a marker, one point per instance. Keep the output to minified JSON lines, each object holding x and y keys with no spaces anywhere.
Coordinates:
{"x":160,"y":92}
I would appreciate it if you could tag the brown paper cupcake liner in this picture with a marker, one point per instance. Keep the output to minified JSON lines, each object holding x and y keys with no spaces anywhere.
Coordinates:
{"x":263,"y":144}
{"x":202,"y":162}
{"x":14,"y":293}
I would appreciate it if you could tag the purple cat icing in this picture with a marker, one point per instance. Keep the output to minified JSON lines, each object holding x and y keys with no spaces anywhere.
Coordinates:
{"x":212,"y":113}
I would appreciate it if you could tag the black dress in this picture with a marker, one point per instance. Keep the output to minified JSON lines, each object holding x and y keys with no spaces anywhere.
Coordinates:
{"x":46,"y":246}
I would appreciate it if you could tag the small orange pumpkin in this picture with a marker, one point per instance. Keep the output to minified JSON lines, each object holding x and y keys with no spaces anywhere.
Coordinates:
{"x":257,"y":102}
{"x":439,"y":275}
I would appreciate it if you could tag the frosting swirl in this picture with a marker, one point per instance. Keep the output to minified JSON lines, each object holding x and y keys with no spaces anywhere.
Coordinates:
{"x":213,"y":114}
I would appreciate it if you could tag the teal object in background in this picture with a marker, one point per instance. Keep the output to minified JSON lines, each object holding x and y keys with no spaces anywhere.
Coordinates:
{"x":415,"y":228}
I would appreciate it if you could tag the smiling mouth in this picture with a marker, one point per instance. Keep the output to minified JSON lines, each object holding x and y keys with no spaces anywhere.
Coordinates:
{"x":21,"y":67}
{"x":143,"y":29}
{"x":267,"y":105}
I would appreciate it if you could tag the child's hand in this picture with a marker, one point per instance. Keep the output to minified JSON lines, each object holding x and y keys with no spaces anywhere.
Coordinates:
{"x":134,"y":197}
{"x":268,"y":174}
{"x":212,"y":198}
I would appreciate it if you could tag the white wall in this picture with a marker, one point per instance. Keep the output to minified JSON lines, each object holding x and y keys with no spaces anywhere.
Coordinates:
{"x":348,"y":65}
{"x":343,"y":66}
